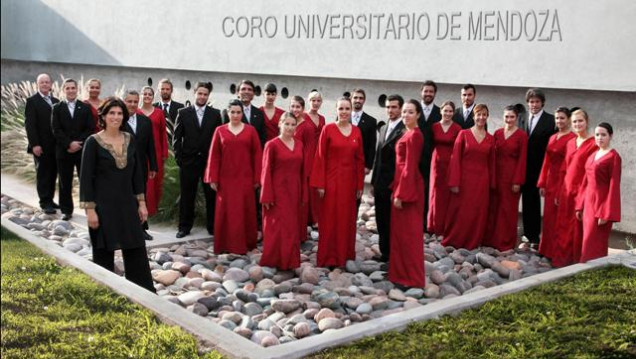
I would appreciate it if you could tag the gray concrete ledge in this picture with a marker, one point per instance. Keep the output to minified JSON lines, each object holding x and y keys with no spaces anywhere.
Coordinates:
{"x":233,"y":345}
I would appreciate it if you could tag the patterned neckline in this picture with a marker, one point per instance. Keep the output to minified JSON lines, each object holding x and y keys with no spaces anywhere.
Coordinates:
{"x":121,"y":160}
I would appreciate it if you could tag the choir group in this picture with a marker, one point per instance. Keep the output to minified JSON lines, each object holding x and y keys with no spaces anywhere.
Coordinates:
{"x":433,"y":169}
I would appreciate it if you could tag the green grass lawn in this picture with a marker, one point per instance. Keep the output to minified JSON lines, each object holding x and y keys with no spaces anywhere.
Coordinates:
{"x":50,"y":311}
{"x":591,"y":315}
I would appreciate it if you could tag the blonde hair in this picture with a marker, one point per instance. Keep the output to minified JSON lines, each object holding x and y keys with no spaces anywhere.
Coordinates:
{"x":314,"y":94}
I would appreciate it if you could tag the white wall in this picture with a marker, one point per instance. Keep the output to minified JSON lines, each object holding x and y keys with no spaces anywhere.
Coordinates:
{"x":587,"y":44}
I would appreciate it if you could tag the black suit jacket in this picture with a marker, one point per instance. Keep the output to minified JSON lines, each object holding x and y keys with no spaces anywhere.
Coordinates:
{"x":426,"y":127}
{"x":368,"y":127}
{"x":192,"y":141}
{"x":67,"y":129}
{"x":173,"y":109}
{"x":384,"y":166}
{"x":458,"y":117}
{"x":537,"y":143}
{"x":37,"y":121}
{"x":144,"y":143}
{"x":257,"y":120}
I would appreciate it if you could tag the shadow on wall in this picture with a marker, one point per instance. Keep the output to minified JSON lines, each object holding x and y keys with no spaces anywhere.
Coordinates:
{"x":23,"y":20}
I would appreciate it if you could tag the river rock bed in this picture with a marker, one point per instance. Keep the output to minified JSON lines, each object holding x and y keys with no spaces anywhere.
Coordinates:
{"x":272,"y":307}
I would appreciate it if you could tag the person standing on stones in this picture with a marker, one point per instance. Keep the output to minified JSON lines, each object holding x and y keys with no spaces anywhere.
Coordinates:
{"x":599,"y":202}
{"x":72,"y":122}
{"x":471,"y":176}
{"x":234,"y":171}
{"x":551,"y":180}
{"x":37,"y":121}
{"x":540,"y":127}
{"x":406,"y":265}
{"x":193,"y":133}
{"x":338,"y":176}
{"x":511,"y":145}
{"x":384,"y":170}
{"x":283,"y":195}
{"x":112,"y":193}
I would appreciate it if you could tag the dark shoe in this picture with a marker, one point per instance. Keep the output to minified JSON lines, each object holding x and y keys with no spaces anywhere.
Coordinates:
{"x":182,"y":234}
{"x":147,"y":236}
{"x":49,"y":210}
{"x":67,"y":217}
{"x":55,"y":205}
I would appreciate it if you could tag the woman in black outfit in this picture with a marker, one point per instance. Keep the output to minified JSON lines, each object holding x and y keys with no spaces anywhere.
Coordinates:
{"x":112,"y":193}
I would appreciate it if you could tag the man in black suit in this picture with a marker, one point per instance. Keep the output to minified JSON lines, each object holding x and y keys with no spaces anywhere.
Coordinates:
{"x":193,"y":132}
{"x":140,"y":127}
{"x":384,"y":170}
{"x":540,"y":126}
{"x":464,"y":115}
{"x":170,"y":108}
{"x":71,"y":122}
{"x":37,"y":121}
{"x":367,"y":125}
{"x":251,"y":114}
{"x":430,"y":114}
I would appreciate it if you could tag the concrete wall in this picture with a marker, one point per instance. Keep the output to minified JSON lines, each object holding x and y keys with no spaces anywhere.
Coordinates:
{"x":548,"y":43}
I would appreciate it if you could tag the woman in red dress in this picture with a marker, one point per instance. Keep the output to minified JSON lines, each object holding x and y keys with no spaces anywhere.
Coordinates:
{"x":154,"y":186}
{"x":338,"y":175}
{"x":282,"y":195}
{"x":471,"y":175}
{"x":94,"y":89}
{"x":271,"y":112}
{"x":551,"y":180}
{"x":511,"y":145}
{"x":444,"y":134}
{"x":599,"y":202}
{"x":406,"y":259}
{"x":315,"y":122}
{"x":234,"y":171}
{"x":569,"y":230}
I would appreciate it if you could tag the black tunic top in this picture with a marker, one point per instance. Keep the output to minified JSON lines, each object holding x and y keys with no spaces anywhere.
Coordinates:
{"x":112,"y":184}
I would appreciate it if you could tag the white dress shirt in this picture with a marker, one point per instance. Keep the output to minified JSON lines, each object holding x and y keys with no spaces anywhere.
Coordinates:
{"x":355,"y":117}
{"x":392,"y":125}
{"x":534,"y":119}
{"x":132,"y":122}
{"x":247,"y":110}
{"x":71,"y":107}
{"x":200,"y":113}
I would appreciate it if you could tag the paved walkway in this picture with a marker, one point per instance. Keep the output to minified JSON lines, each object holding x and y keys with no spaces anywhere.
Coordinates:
{"x":14,"y":187}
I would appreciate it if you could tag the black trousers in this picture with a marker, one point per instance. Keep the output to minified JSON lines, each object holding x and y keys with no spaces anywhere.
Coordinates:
{"x":383,"y":219}
{"x":66,"y":165}
{"x":531,"y":214}
{"x":190,"y":175}
{"x":46,"y":174}
{"x":135,"y":265}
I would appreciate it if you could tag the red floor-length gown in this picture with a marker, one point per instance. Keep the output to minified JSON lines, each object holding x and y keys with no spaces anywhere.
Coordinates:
{"x":283,"y":184}
{"x":510,"y":167}
{"x":95,"y":116}
{"x":551,"y":179}
{"x":567,"y":249}
{"x":338,"y":169}
{"x":406,"y":262}
{"x":600,"y":198}
{"x":271,"y":124}
{"x":234,"y":163}
{"x":439,"y":193}
{"x":472,"y":169}
{"x":308,"y":133}
{"x":154,"y":186}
